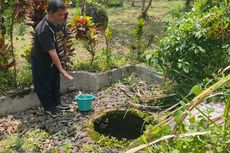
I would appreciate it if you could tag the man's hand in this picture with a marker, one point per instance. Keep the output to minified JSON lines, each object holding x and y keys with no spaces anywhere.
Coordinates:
{"x":67,"y":75}
{"x":57,"y":63}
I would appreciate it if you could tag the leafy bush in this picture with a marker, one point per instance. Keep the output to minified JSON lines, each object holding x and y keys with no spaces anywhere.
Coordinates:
{"x":109,"y":3}
{"x":115,"y":3}
{"x":85,"y":65}
{"x":100,"y":65}
{"x":24,"y":76}
{"x":116,"y":61}
{"x":37,"y":10}
{"x":29,"y":142}
{"x":86,"y":31}
{"x":107,"y":52}
{"x":6,"y":61}
{"x":197,"y":43}
{"x":27,"y":53}
{"x":6,"y":81}
{"x":97,"y":12}
{"x":140,"y":47}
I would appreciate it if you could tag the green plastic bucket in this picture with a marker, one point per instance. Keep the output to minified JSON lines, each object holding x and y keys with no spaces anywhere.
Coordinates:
{"x":84,"y":102}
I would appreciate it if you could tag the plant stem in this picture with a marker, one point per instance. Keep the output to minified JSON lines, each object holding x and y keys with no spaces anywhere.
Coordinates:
{"x":198,"y":99}
{"x":226,"y":114}
{"x":12,"y":50}
{"x":133,"y":150}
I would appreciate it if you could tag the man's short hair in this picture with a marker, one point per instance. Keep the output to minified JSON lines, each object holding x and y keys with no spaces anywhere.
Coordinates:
{"x":56,"y":5}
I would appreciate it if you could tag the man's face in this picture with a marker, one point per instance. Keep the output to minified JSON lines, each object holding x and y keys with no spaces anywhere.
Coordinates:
{"x":59,"y":16}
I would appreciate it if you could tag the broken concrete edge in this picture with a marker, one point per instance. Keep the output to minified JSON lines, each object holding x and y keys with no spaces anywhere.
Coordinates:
{"x":84,"y":81}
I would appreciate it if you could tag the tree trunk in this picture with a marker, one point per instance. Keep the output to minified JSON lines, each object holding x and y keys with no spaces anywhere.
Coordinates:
{"x":83,"y":11}
{"x":187,"y":5}
{"x":145,"y":10}
{"x":12,"y":50}
{"x":121,"y":3}
{"x":143,"y":5}
{"x":133,"y":3}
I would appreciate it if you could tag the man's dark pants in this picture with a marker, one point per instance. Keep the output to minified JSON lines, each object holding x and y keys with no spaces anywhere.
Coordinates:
{"x":46,"y":80}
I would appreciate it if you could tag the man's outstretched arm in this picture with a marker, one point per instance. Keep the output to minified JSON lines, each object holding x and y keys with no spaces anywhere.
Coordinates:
{"x":57,"y":63}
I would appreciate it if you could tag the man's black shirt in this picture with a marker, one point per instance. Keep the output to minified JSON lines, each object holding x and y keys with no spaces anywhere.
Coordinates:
{"x":46,"y":38}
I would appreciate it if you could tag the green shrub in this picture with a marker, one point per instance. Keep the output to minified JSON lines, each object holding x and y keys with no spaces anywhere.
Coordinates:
{"x":197,"y":44}
{"x":27,"y":53}
{"x":97,"y":12}
{"x":24,"y":77}
{"x":6,"y":81}
{"x":99,"y":65}
{"x":115,"y":3}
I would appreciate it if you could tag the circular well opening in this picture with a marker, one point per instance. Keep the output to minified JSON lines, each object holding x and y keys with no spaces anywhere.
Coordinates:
{"x":120,"y":124}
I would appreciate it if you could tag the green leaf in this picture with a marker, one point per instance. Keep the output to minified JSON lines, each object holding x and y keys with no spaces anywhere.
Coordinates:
{"x":166,"y":130}
{"x":196,"y":51}
{"x":210,"y":110}
{"x":186,"y":68}
{"x":197,"y":89}
{"x":155,"y":130}
{"x":148,"y":56}
{"x":192,"y":119}
{"x":144,"y":139}
{"x":177,"y":115}
{"x":179,"y":65}
{"x":175,"y":151}
{"x":182,"y":103}
{"x":226,"y":111}
{"x":202,"y":50}
{"x":198,"y":34}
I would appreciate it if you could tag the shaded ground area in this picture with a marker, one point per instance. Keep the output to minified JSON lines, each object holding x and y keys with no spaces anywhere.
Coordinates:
{"x":34,"y":131}
{"x":67,"y":131}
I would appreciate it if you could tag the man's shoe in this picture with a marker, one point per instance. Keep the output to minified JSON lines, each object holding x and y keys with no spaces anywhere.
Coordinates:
{"x":53,"y":113}
{"x":63,"y":107}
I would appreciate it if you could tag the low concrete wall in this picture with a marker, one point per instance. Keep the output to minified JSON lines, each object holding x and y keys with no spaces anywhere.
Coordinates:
{"x":84,"y":81}
{"x":18,"y":101}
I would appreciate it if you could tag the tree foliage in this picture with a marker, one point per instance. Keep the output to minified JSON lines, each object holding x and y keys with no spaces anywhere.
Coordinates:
{"x":97,"y":12}
{"x":197,"y":43}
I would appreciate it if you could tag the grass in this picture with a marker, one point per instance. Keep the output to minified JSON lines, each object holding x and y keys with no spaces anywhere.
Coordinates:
{"x":123,"y":20}
{"x":29,"y":142}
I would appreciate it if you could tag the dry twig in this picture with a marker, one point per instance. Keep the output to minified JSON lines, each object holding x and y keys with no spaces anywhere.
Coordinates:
{"x":198,"y":99}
